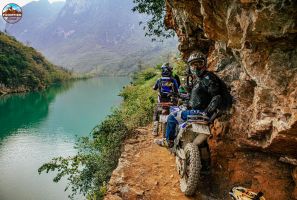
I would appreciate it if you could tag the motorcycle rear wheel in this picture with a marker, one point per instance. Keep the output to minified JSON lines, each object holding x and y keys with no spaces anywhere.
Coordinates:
{"x":190,"y":179}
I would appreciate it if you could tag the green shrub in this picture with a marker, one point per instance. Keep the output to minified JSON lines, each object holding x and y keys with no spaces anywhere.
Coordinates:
{"x":180,"y":66}
{"x":90,"y":170}
{"x":141,"y":77}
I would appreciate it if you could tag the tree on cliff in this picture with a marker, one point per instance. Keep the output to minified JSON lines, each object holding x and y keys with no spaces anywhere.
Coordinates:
{"x":155,"y":27}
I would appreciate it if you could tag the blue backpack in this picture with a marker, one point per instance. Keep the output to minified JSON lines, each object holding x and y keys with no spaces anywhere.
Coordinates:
{"x":166,"y":86}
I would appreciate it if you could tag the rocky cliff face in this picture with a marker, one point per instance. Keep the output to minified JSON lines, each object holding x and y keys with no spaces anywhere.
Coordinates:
{"x":251,"y":44}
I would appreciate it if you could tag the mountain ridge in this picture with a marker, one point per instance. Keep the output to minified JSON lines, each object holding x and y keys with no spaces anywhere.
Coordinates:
{"x":103,"y":37}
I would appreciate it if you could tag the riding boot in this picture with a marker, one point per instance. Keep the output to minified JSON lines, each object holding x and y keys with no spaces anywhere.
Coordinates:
{"x":155,"y":128}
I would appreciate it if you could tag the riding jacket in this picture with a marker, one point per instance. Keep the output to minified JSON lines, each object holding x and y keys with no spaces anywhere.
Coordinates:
{"x":205,"y":95}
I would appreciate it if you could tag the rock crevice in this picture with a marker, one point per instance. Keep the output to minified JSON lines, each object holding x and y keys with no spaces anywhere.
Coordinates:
{"x":251,"y":45}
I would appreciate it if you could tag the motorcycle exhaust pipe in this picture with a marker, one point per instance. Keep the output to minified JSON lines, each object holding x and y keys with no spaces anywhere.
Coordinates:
{"x":199,"y":139}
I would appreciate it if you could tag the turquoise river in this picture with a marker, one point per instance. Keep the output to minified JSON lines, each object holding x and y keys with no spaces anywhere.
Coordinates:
{"x":35,"y":127}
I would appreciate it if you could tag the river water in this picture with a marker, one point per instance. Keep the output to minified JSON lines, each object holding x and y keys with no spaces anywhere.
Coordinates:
{"x":36,"y":127}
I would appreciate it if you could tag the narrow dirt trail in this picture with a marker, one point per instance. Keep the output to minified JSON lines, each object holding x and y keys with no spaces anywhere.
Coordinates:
{"x":146,"y":171}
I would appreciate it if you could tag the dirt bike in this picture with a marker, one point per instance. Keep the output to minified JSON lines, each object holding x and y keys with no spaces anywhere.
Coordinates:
{"x":165,"y":110}
{"x":191,"y":151}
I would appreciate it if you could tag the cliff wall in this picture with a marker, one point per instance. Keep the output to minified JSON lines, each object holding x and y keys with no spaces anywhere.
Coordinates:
{"x":251,"y":45}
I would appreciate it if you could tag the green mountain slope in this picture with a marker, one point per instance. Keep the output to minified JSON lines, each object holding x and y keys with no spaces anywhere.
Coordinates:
{"x":22,"y":68}
{"x":103,"y":36}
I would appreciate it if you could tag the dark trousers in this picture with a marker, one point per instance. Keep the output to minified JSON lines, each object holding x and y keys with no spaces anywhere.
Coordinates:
{"x":176,"y":118}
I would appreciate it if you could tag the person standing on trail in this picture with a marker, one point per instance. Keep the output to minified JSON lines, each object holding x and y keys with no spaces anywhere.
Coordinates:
{"x":168,"y":88}
{"x":205,"y":97}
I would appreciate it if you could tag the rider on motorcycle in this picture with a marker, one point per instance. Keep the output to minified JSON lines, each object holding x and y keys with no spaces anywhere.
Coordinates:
{"x":174,"y":75}
{"x":205,"y":97}
{"x":168,"y":87}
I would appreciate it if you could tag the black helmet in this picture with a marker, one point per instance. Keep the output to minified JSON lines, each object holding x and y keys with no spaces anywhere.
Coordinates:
{"x":197,"y":62}
{"x":197,"y":56}
{"x":166,"y":72}
{"x":167,"y":65}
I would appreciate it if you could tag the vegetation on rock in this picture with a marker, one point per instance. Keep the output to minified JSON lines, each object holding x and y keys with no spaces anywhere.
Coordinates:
{"x":154,"y":27}
{"x":22,"y":68}
{"x":89,"y":170}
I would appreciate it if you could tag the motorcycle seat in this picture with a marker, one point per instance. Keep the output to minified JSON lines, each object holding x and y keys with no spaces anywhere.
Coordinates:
{"x":165,"y":104}
{"x":199,"y":119}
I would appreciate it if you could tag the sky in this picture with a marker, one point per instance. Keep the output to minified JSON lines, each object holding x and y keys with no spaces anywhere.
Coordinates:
{"x":19,"y":2}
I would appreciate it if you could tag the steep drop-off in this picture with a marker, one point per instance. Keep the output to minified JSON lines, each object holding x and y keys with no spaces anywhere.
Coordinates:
{"x":147,"y":171}
{"x":251,"y":45}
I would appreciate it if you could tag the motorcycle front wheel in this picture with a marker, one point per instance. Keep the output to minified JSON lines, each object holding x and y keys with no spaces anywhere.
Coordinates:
{"x":190,"y":179}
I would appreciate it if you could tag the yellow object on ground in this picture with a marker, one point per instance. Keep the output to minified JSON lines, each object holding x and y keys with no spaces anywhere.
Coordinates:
{"x":241,"y":193}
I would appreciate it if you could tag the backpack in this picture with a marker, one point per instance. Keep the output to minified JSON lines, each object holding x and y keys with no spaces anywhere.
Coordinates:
{"x":166,"y":86}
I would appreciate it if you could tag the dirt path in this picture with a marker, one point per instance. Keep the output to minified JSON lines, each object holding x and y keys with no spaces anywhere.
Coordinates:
{"x":146,"y":171}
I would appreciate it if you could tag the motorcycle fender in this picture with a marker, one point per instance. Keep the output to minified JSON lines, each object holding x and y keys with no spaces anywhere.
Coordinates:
{"x":163,"y":118}
{"x":180,"y":153}
{"x":199,"y":139}
{"x":201,"y":128}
